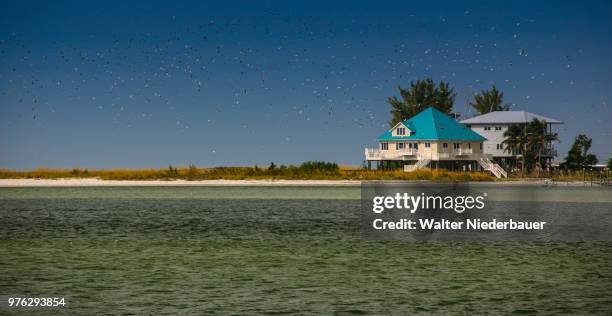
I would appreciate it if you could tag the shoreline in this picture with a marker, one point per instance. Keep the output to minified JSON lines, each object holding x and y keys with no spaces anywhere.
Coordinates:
{"x":95,"y":182}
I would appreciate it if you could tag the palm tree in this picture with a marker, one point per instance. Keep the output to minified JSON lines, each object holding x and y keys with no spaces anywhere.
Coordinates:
{"x":539,"y":140}
{"x":420,"y":95}
{"x":489,"y":100}
{"x":516,"y":142}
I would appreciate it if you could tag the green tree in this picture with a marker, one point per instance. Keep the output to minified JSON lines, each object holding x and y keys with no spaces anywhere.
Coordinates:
{"x":574,"y":157}
{"x":539,"y":141}
{"x":610,"y":163}
{"x":420,"y":95}
{"x":531,"y":142}
{"x":578,"y":156}
{"x":590,"y":159}
{"x":319,"y":166}
{"x":489,"y":100}
{"x":515,"y":142}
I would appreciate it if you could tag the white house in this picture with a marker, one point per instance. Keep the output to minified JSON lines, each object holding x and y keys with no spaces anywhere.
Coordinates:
{"x":493,"y":125}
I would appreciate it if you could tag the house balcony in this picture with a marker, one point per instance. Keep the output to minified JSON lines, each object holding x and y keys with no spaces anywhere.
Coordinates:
{"x":548,"y":152}
{"x":459,"y":153}
{"x":401,"y":154}
{"x":414,"y":154}
{"x":407,"y":152}
{"x":462,"y":152}
{"x":373,"y":154}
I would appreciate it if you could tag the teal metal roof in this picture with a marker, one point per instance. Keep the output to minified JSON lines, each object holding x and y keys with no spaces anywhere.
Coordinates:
{"x":432,"y":124}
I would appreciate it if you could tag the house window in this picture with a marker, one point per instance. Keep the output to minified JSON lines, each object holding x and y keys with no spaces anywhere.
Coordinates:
{"x":427,"y":145}
{"x":416,"y":146}
{"x":480,"y":146}
{"x":445,"y":145}
{"x":456,"y":146}
{"x":384,"y":146}
{"x":401,"y":131}
{"x":500,"y":146}
{"x":487,"y":128}
{"x":469,"y":146}
{"x":498,"y":128}
{"x":399,"y":146}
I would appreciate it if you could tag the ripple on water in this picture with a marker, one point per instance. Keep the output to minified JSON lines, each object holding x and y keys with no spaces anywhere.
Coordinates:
{"x":302,"y":256}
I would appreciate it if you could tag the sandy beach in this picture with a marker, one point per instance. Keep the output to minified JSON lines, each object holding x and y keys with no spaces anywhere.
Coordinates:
{"x":98,"y":182}
{"x":94,"y":182}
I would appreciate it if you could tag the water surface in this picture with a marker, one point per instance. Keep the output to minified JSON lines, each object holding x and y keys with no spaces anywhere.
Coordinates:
{"x":250,"y":250}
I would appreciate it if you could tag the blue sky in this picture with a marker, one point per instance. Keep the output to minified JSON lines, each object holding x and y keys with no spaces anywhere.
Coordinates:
{"x":126,"y":84}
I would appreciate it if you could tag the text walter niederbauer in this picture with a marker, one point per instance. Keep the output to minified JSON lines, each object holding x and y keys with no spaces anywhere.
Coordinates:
{"x":459,"y":204}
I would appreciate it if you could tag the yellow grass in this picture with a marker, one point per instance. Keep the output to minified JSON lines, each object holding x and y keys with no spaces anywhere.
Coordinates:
{"x":242,"y":173}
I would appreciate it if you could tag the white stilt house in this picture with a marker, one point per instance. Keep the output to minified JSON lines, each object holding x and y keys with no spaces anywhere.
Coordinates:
{"x":493,"y":125}
{"x":431,"y":139}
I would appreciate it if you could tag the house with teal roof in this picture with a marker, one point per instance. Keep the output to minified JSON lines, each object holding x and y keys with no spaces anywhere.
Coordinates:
{"x":431,"y":139}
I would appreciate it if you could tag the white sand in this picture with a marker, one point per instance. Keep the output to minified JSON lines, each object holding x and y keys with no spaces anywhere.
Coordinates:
{"x":94,"y":182}
{"x":97,"y":182}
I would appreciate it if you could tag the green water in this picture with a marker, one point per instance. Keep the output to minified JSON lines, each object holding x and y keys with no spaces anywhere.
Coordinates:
{"x":281,"y":250}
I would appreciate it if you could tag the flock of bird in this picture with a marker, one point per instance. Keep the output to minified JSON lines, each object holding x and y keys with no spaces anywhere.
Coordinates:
{"x":291,"y":69}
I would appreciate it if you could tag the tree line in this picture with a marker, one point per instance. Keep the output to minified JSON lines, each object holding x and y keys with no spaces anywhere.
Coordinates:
{"x":422,"y":94}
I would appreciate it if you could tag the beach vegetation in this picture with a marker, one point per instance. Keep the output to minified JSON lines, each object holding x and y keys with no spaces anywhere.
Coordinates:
{"x":578,"y":157}
{"x":530,"y":142}
{"x":310,"y":170}
{"x":306,"y":171}
{"x":539,"y":140}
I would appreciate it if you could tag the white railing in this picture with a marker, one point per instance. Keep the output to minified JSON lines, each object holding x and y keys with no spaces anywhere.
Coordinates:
{"x":462,"y":152}
{"x":407,"y":151}
{"x":415,"y":155}
{"x":489,"y":165}
{"x":373,"y":154}
{"x":378,"y":154}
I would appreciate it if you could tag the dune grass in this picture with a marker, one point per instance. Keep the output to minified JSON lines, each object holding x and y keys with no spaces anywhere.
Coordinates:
{"x":311,"y":170}
{"x":307,"y":171}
